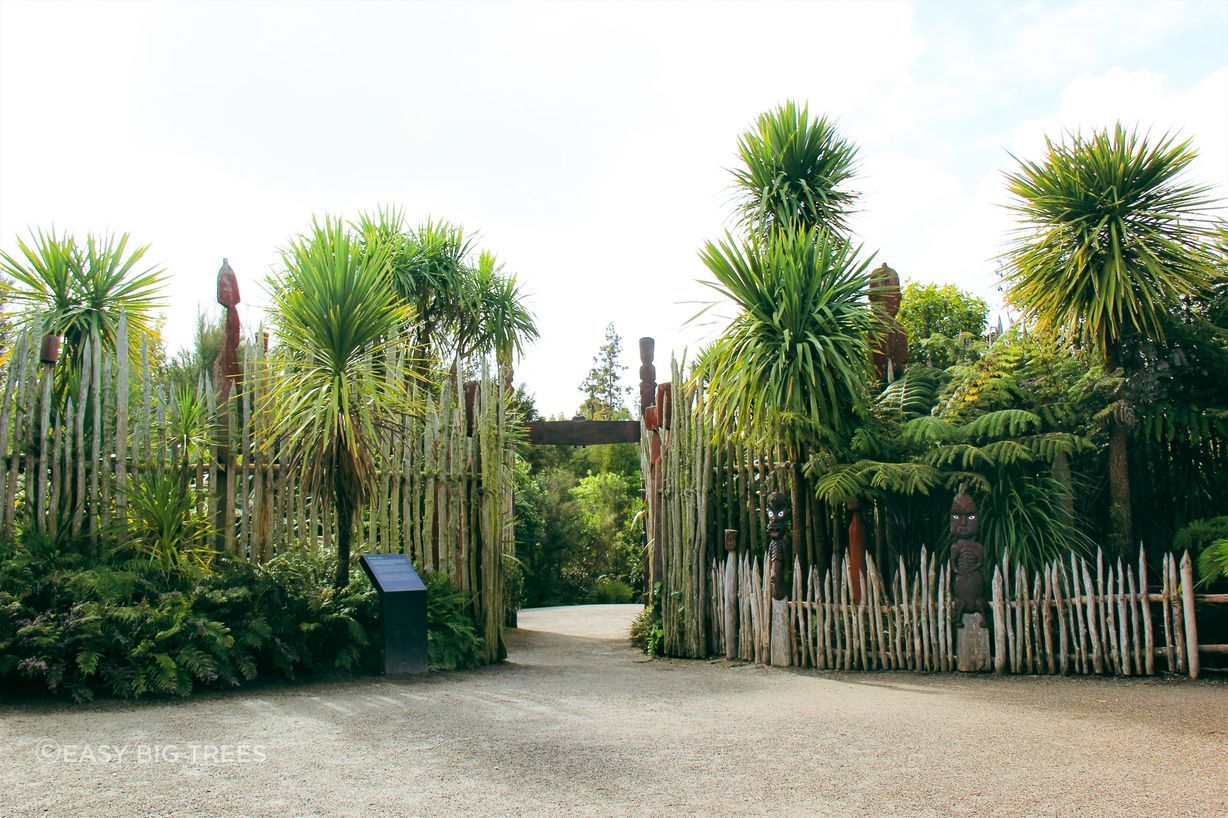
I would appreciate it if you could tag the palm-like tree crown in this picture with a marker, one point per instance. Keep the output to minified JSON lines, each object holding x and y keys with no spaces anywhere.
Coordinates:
{"x":330,"y":400}
{"x":794,"y":363}
{"x":794,"y":169}
{"x":1110,"y":237}
{"x":461,"y":307}
{"x":80,"y":290}
{"x":495,"y":318}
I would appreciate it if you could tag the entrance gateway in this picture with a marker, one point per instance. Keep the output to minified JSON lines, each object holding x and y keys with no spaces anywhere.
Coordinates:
{"x":582,"y":432}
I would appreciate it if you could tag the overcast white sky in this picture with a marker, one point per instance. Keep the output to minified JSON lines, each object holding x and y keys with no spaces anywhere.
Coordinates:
{"x":587,"y":143}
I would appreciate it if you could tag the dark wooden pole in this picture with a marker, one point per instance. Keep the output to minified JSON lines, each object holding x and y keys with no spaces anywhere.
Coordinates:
{"x":648,"y":373}
{"x":857,"y":548}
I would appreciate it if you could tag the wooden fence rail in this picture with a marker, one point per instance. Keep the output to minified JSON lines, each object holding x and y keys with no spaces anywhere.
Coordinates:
{"x":1072,"y":616}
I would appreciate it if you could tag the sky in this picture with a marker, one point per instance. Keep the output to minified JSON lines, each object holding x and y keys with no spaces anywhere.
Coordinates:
{"x":587,"y":144}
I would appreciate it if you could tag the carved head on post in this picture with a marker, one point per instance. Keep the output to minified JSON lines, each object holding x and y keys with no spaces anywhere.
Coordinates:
{"x":778,"y":516}
{"x":227,"y":286}
{"x":226,"y":366}
{"x":965,"y":522}
{"x":891,"y":344}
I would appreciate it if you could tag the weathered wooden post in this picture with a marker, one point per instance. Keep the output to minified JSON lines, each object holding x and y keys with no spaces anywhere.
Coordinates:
{"x":649,"y":414}
{"x":664,"y":408}
{"x":731,"y":593}
{"x":1149,"y":656}
{"x":999,"y":621}
{"x":48,"y":355}
{"x":1187,"y":608}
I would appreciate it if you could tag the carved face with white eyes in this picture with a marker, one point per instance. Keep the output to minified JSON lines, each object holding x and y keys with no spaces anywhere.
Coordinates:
{"x":965,"y":522}
{"x":778,"y":515}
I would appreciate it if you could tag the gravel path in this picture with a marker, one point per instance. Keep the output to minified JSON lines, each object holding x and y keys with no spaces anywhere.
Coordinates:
{"x":578,"y":723}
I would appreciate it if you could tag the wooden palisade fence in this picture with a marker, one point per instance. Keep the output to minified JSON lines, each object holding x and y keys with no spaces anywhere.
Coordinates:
{"x":1072,"y":616}
{"x":444,"y":494}
{"x":1084,"y":620}
{"x":700,"y":490}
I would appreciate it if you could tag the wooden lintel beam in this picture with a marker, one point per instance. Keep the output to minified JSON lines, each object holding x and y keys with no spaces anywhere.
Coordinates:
{"x":583,"y":432}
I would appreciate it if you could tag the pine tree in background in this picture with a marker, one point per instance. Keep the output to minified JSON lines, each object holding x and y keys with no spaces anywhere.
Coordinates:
{"x":605,"y":396}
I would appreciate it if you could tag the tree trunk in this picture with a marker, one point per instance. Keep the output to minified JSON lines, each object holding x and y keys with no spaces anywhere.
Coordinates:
{"x":345,"y":531}
{"x":1119,"y":488}
{"x":798,"y":527}
{"x":1061,"y":472}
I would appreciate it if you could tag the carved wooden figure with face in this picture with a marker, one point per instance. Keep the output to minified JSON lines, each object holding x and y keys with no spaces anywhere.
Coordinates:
{"x":777,"y":528}
{"x":967,"y":558}
{"x":964,"y":521}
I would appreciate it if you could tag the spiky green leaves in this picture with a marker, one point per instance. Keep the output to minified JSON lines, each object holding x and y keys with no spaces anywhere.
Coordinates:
{"x":1110,"y":236}
{"x":794,"y":169}
{"x":794,"y":364}
{"x":79,"y":290}
{"x":335,"y":312}
{"x":463,"y":306}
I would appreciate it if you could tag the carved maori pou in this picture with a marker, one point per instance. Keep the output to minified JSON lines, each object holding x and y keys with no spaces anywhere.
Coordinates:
{"x":226,"y":367}
{"x":777,"y":530}
{"x":891,"y":345}
{"x":967,"y":557}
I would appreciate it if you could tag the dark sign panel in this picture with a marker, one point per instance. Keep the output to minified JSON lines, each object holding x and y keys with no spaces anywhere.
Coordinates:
{"x":403,"y":602}
{"x":391,"y":572}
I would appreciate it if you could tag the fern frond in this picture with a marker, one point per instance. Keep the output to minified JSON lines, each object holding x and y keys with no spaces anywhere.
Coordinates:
{"x":927,"y":431}
{"x":1002,"y":423}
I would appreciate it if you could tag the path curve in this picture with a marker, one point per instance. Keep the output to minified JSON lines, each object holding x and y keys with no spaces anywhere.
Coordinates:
{"x":578,"y":723}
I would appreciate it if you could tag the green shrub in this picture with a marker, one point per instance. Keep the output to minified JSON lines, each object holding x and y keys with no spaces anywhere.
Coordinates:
{"x":1198,"y":534}
{"x":1213,"y":562}
{"x":647,"y":634}
{"x":155,"y":623}
{"x":452,"y":640}
{"x":166,"y":524}
{"x":609,"y":590}
{"x":133,"y":628}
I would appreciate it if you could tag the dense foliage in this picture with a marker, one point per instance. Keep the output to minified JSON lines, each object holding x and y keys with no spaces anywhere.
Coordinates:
{"x":795,"y":169}
{"x":127,"y":628}
{"x":334,"y":309}
{"x":927,"y":310}
{"x":145,"y":604}
{"x":1119,"y":269}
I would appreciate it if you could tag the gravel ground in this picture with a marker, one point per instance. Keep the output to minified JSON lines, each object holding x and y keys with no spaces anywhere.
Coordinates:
{"x":578,"y":723}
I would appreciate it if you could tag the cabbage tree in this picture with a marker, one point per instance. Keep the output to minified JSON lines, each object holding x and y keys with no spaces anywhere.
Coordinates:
{"x":1111,"y":237}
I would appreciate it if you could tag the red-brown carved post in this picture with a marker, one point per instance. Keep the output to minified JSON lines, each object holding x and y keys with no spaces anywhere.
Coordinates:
{"x":891,"y":343}
{"x":857,"y":548}
{"x":226,"y":366}
{"x":226,"y":374}
{"x":664,"y":404}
